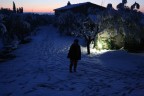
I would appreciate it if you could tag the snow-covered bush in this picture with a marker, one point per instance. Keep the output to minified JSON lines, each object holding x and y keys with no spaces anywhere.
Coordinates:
{"x":17,"y":28}
{"x":111,"y":35}
{"x":122,"y":28}
{"x":3,"y":29}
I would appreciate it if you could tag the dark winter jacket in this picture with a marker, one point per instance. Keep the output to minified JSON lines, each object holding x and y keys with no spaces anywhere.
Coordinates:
{"x":74,"y":52}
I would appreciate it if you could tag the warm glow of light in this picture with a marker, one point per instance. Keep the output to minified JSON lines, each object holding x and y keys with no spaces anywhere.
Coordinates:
{"x":99,"y":45}
{"x":102,"y":51}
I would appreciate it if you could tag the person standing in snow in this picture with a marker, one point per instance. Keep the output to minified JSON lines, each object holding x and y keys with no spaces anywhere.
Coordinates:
{"x":74,"y":55}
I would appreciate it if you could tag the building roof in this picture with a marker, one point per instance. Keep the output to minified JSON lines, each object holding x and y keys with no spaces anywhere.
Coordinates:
{"x":75,"y":5}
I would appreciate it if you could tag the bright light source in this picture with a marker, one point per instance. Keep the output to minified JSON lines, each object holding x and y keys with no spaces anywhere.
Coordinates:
{"x":99,"y":45}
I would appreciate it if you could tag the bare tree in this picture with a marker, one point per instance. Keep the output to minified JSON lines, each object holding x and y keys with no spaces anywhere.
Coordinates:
{"x":14,"y":7}
{"x":135,"y":5}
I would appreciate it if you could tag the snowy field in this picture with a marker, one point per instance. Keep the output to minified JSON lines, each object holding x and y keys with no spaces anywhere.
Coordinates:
{"x":42,"y":69}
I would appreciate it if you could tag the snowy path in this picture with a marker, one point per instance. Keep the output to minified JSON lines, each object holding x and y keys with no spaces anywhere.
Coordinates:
{"x":41,"y":69}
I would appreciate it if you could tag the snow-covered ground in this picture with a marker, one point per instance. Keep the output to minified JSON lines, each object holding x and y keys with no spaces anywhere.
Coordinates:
{"x":42,"y":69}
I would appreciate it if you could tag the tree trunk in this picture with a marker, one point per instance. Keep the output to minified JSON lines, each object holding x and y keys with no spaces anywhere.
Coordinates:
{"x":88,"y":47}
{"x":95,"y":40}
{"x":88,"y":39}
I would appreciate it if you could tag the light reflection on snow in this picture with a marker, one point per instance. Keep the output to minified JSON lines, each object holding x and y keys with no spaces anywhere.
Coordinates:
{"x":93,"y":51}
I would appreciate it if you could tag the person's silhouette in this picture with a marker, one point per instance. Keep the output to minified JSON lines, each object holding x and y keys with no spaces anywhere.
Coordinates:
{"x":74,"y":55}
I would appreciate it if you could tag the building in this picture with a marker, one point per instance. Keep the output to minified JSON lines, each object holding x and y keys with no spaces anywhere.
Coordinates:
{"x":78,"y":8}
